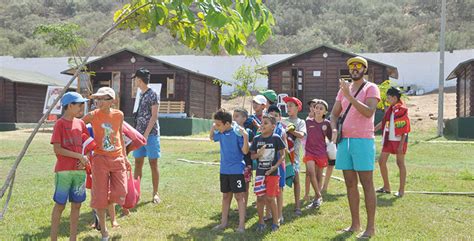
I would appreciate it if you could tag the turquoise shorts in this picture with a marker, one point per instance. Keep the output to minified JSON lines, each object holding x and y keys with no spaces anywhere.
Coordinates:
{"x":70,"y":185}
{"x":356,"y":154}
{"x":150,"y":150}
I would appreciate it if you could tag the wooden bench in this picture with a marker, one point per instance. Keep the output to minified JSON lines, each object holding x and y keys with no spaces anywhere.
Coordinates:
{"x":170,"y":107}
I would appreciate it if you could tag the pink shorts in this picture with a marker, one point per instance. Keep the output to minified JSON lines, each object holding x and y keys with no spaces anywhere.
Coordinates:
{"x":109,"y":181}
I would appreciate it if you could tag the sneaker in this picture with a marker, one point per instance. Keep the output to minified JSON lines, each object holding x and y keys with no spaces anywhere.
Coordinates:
{"x":281,"y":220}
{"x":315,"y":204}
{"x":240,"y":230}
{"x":298,"y":212}
{"x":218,"y":227}
{"x":275,"y":227}
{"x":261,"y":227}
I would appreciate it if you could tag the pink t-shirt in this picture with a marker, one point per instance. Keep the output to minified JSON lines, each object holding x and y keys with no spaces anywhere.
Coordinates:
{"x":356,"y":125}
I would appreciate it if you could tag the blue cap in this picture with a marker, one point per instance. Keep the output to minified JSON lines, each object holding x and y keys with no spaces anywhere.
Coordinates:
{"x":71,"y":97}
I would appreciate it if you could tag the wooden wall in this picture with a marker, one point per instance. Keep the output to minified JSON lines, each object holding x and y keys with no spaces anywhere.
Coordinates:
{"x":205,"y":97}
{"x":326,"y":85}
{"x":7,"y":100}
{"x":29,"y":102}
{"x":465,"y":91}
{"x":192,"y":88}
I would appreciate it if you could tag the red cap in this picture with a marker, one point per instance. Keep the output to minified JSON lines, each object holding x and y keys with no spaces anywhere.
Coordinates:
{"x":294,"y":100}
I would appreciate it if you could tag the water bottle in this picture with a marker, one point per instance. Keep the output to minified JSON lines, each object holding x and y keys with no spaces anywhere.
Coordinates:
{"x":236,"y":128}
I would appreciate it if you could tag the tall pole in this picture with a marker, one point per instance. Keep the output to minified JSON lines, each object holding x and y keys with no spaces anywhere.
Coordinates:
{"x":441,"y":69}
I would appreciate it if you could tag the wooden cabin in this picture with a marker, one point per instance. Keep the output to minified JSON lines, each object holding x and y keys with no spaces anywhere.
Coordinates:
{"x":22,"y":95}
{"x":183,"y":91}
{"x":464,"y":75}
{"x":316,"y":73}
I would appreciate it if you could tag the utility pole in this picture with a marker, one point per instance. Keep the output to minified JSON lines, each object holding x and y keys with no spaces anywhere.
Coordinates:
{"x":441,"y":69}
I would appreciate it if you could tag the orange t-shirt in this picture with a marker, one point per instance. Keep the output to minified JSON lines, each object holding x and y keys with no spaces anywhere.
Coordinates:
{"x":107,"y":131}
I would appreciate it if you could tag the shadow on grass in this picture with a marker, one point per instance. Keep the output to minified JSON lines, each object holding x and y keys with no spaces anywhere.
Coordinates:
{"x":207,"y":233}
{"x":342,"y":236}
{"x":386,"y":200}
{"x":85,"y":219}
{"x":328,"y":197}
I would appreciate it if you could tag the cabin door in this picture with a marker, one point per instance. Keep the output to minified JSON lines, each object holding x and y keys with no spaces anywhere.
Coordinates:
{"x":297,"y":76}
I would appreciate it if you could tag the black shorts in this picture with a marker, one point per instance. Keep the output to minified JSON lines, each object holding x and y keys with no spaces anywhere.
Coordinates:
{"x":232,"y":183}
{"x":331,"y":162}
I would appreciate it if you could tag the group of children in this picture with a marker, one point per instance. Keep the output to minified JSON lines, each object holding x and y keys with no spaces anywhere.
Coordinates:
{"x":262,"y":142}
{"x":271,"y":146}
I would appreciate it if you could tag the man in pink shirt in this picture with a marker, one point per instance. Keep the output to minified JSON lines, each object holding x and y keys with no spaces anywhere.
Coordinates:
{"x":356,"y":150}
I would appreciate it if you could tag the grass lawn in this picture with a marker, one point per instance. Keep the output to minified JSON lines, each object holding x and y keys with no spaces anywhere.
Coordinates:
{"x":191,"y":198}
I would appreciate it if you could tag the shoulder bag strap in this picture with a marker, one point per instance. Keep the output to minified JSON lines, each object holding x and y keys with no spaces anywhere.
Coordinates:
{"x":350,"y":104}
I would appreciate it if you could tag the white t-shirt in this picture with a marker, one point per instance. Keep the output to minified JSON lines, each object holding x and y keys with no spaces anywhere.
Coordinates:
{"x":391,"y":130}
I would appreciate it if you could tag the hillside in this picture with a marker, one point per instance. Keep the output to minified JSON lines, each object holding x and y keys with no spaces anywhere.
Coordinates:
{"x":357,"y":25}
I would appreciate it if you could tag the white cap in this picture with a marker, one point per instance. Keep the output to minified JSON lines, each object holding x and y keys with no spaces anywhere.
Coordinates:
{"x":260,"y":99}
{"x":105,"y":91}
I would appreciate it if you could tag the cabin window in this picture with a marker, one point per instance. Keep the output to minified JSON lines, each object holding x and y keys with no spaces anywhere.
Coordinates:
{"x":170,"y":86}
{"x":167,"y":84}
{"x":286,"y":81}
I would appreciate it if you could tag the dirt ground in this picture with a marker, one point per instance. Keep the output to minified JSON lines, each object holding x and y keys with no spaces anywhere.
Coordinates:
{"x":423,"y":110}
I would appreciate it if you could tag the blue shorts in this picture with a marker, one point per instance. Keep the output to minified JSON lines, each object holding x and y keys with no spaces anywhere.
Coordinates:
{"x":70,"y":185}
{"x":150,"y":150}
{"x":282,"y":174}
{"x":357,"y":154}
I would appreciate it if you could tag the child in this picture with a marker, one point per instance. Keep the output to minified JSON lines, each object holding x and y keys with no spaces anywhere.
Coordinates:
{"x":395,"y":126}
{"x":316,"y":157}
{"x":109,"y":165}
{"x":280,"y":130}
{"x":70,"y":176}
{"x":240,"y":116}
{"x":294,"y":106}
{"x":271,"y":97}
{"x":269,"y":150}
{"x":258,"y":104}
{"x":234,"y":145}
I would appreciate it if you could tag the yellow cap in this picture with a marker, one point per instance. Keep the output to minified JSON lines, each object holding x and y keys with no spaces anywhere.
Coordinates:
{"x":358,"y":59}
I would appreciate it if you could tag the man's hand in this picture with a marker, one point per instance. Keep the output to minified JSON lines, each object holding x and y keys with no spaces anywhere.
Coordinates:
{"x":334,"y":135}
{"x":345,"y":88}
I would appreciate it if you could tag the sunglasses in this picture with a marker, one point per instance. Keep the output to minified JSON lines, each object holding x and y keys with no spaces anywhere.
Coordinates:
{"x":355,"y":66}
{"x":77,"y":103}
{"x":103,"y":99}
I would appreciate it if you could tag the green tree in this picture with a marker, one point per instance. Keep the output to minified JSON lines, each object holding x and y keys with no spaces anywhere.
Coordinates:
{"x":246,"y":75}
{"x":217,"y":24}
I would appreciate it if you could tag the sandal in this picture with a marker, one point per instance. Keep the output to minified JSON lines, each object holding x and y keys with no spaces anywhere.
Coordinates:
{"x":156,"y":199}
{"x":364,"y":236}
{"x":382,"y":190}
{"x":398,"y":194}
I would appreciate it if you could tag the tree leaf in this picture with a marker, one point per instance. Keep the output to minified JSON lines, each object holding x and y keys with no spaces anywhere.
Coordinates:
{"x":262,"y":33}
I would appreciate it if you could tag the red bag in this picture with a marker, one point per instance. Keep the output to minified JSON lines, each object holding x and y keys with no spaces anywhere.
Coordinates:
{"x":88,"y":146}
{"x":132,"y":138}
{"x":133,"y":191}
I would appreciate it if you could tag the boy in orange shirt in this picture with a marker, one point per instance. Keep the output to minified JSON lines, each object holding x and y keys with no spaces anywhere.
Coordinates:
{"x":110,"y":164}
